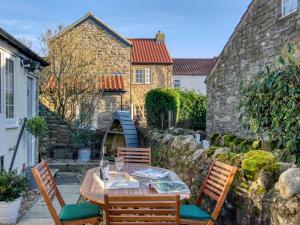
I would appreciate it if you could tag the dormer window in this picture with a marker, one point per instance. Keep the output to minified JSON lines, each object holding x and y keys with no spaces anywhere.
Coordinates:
{"x":289,"y":6}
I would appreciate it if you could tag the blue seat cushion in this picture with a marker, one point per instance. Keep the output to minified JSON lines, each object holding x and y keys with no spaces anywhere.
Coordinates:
{"x":79,"y":211}
{"x":193,"y":212}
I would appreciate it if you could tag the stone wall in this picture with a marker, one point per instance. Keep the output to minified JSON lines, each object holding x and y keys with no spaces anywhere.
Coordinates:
{"x":271,"y":197}
{"x":161,"y":76}
{"x":257,"y":41}
{"x":111,"y":55}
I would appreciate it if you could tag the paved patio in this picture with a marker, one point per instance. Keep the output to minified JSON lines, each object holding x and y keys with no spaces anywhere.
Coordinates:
{"x":39,"y":214}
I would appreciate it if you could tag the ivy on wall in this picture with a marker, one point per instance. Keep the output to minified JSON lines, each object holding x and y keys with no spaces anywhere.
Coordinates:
{"x":270,"y":103}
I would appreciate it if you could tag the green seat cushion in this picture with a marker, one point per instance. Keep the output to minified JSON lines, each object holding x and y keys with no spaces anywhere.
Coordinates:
{"x":79,"y":211}
{"x":193,"y":212}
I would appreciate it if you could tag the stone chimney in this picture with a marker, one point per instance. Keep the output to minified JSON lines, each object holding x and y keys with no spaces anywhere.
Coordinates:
{"x":160,"y":37}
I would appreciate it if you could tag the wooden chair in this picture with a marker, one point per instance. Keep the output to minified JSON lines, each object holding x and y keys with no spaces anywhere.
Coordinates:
{"x":71,"y":214}
{"x":216,"y":186}
{"x":135,"y":155}
{"x":147,"y":210}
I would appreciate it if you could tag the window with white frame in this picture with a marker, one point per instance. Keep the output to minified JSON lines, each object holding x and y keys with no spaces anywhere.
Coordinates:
{"x":176,"y":83}
{"x":289,"y":6}
{"x":9,"y":89}
{"x":139,"y":76}
{"x":147,"y":76}
{"x":143,"y":76}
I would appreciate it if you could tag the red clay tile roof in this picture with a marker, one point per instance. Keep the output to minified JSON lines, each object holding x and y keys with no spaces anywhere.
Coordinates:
{"x":112,"y":83}
{"x":196,"y":66}
{"x":149,"y":51}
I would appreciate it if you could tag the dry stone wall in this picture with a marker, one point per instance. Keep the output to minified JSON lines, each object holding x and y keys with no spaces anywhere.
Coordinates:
{"x":272,"y":197}
{"x":257,"y":42}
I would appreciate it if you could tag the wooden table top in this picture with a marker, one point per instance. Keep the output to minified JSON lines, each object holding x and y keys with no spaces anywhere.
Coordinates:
{"x":93,"y":192}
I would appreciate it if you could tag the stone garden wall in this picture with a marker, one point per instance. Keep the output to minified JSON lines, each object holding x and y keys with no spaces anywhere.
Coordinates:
{"x":257,"y":42}
{"x":265,"y":191}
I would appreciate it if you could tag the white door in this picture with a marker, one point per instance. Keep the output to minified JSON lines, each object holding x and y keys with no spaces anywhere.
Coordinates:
{"x":30,"y":113}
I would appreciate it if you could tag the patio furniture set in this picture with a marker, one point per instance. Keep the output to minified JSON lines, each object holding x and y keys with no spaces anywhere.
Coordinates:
{"x":143,"y":204}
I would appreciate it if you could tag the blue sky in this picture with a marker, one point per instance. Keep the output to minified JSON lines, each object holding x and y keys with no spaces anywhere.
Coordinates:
{"x":193,"y":28}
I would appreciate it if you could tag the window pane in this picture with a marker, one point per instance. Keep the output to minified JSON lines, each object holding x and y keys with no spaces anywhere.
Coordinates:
{"x":139,"y":76}
{"x":294,"y":4}
{"x":147,"y":76}
{"x":9,"y":89}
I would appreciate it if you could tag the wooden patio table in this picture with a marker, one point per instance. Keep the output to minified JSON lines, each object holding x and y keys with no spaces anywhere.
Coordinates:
{"x":93,"y":192}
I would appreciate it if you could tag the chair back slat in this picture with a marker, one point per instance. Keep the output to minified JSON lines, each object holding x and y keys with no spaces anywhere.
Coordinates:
{"x":135,"y":155}
{"x":217,"y":184}
{"x":142,"y":210}
{"x":49,"y":190}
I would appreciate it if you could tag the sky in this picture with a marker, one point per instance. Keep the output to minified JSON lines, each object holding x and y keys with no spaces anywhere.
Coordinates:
{"x":193,"y":28}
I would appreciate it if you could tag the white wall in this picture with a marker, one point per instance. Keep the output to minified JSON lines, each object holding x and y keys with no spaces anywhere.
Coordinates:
{"x":192,"y":82}
{"x":10,"y":132}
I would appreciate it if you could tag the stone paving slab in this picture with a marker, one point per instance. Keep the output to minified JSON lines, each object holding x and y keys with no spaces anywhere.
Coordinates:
{"x":39,"y":213}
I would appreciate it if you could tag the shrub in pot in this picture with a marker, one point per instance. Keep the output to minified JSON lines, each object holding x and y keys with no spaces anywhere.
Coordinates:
{"x":12,"y":186}
{"x":82,"y":140}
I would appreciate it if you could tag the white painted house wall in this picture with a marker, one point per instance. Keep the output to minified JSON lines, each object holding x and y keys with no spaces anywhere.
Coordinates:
{"x":10,"y":128}
{"x":191,"y":82}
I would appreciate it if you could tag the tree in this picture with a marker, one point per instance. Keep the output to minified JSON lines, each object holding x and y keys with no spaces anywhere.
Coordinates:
{"x":69,"y":86}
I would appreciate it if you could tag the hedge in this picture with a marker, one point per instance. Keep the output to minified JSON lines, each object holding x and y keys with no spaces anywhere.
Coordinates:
{"x":158,"y":102}
{"x":188,"y":108}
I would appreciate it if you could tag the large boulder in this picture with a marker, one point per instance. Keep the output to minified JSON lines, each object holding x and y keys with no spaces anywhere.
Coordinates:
{"x":289,"y":183}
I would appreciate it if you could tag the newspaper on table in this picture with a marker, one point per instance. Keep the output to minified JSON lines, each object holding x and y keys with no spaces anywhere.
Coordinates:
{"x":151,"y":173}
{"x":170,"y":187}
{"x":117,"y":180}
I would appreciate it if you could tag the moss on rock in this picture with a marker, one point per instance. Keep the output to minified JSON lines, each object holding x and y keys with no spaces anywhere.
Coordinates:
{"x":211,"y":150}
{"x":257,"y":160}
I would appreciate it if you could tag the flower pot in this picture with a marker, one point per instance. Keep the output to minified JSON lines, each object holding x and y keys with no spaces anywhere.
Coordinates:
{"x":84,"y":154}
{"x":9,"y":211}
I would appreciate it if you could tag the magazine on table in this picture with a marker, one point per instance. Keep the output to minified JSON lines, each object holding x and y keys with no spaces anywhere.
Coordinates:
{"x":168,"y":187}
{"x":151,"y":173}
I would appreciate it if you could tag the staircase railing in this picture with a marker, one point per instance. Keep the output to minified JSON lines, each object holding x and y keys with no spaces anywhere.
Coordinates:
{"x":17,"y":145}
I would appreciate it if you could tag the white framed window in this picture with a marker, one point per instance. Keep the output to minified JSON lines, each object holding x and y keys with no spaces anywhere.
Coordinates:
{"x":147,"y":76}
{"x":10,"y":91}
{"x":288,"y":7}
{"x":139,"y":76}
{"x":143,"y":76}
{"x":176,"y":83}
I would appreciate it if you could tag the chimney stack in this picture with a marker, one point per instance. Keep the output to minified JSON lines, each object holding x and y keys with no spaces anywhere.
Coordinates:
{"x":160,"y":37}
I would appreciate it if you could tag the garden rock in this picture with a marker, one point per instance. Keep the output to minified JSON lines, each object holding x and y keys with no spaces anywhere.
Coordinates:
{"x":218,"y":151}
{"x":289,"y":183}
{"x":200,"y":154}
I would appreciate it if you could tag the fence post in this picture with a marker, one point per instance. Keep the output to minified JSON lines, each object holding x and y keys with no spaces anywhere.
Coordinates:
{"x":170,"y":119}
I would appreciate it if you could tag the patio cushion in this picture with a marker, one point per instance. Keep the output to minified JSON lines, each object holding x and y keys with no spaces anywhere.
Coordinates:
{"x":79,"y":211}
{"x":193,"y":212}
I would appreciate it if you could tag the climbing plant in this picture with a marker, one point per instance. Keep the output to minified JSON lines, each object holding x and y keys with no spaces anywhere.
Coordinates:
{"x":270,"y":103}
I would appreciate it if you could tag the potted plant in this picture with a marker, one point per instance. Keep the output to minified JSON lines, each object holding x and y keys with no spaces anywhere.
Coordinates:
{"x":82,"y":140}
{"x":37,"y":126}
{"x":12,"y":186}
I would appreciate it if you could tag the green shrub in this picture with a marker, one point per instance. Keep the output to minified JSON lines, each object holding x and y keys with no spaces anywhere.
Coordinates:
{"x":37,"y":126}
{"x":192,"y":111}
{"x":257,"y":160}
{"x":226,"y":139}
{"x":158,"y":102}
{"x":270,"y":103}
{"x":12,"y":186}
{"x":82,"y":138}
{"x":188,"y":107}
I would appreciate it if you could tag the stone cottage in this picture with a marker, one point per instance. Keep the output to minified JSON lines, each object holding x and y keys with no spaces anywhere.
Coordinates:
{"x":259,"y":38}
{"x":127,"y":68}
